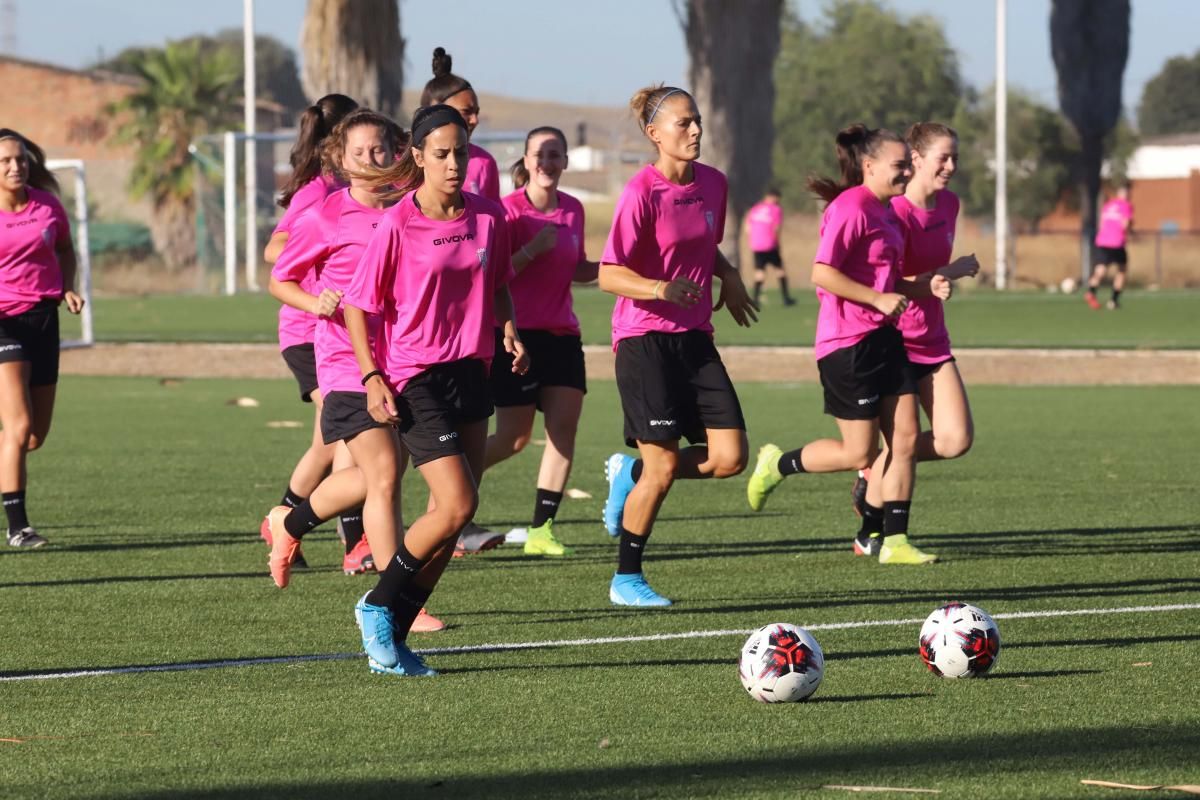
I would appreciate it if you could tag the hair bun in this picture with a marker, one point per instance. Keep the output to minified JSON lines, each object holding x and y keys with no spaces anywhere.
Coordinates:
{"x":442,"y":62}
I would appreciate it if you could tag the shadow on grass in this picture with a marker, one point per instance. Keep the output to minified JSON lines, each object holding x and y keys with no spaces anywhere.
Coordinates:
{"x":797,"y":771}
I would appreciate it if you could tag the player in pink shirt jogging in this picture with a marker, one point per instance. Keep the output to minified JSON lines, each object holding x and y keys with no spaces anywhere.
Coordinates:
{"x":483,"y":176}
{"x":869,"y":387}
{"x":307,"y":187}
{"x":37,"y":273}
{"x":1116,"y":221}
{"x":928,"y":214}
{"x":660,"y":261}
{"x":435,"y":274}
{"x":763,"y":222}
{"x":546,"y":228}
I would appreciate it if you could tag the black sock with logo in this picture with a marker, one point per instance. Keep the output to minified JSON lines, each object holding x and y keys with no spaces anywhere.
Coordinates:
{"x":395,"y":579}
{"x":545,"y":506}
{"x":14,"y":508}
{"x":895,"y":517}
{"x":629,"y":553}
{"x":352,"y":527}
{"x":291,"y":499}
{"x":872,"y":521}
{"x":408,"y":604}
{"x":790,"y":463}
{"x":300,"y":520}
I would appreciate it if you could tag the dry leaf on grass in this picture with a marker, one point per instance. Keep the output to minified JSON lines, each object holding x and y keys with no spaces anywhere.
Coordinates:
{"x":1188,"y":788}
{"x":578,"y":494}
{"x":284,"y":423}
{"x":242,"y":402}
{"x":881,"y":789}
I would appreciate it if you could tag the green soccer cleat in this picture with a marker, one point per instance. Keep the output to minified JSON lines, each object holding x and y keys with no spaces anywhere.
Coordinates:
{"x":765,"y":477}
{"x":541,"y":542}
{"x":896,"y":550}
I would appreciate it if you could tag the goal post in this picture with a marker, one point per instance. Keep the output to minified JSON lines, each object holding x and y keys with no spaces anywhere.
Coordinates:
{"x":83,"y":251}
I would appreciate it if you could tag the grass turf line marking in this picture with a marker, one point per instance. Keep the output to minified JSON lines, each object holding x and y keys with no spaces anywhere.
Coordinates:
{"x":551,"y":643}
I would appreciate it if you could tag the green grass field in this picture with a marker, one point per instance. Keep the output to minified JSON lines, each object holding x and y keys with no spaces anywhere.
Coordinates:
{"x":976,"y":319}
{"x":151,"y":495}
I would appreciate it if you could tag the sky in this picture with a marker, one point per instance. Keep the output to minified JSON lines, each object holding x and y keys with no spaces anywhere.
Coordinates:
{"x":596,"y":53}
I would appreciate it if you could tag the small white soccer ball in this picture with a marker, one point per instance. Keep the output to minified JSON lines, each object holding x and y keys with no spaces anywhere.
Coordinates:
{"x":959,"y":641}
{"x":781,"y":663}
{"x":1068,"y":285}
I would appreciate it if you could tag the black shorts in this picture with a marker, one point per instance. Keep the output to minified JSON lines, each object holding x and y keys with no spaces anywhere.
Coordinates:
{"x":764,"y":258}
{"x":437,"y":402}
{"x":303,"y":364}
{"x":553,"y":361}
{"x":921,"y":371}
{"x":856,"y":378}
{"x":33,"y":337}
{"x":1112,"y":255}
{"x":673,"y":385}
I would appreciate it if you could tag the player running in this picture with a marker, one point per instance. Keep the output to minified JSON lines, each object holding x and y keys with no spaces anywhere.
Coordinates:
{"x":868,"y":383}
{"x":660,"y":261}
{"x":763,"y":222}
{"x":1116,"y":222}
{"x":37,"y":265}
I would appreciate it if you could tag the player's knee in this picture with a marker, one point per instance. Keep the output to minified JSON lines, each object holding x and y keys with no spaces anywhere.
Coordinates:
{"x":730,"y":463}
{"x":18,"y":433}
{"x":462,"y":510}
{"x":519,"y":442}
{"x":955,"y":443}
{"x":659,"y":475}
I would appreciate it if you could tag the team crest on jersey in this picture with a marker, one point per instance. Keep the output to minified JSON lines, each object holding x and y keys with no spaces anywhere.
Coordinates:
{"x":48,"y":236}
{"x":575,"y":241}
{"x":481,"y":253}
{"x":708,"y":219}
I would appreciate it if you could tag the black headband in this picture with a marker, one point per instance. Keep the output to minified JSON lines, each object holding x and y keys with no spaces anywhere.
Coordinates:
{"x":435,"y":117}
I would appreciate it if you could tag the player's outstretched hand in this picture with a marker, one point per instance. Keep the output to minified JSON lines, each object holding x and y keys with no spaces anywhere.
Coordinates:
{"x":735,"y":298}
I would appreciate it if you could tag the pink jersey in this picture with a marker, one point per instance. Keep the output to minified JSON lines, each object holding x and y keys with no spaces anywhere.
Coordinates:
{"x":541,"y":292}
{"x":29,"y":269}
{"x":483,"y":176}
{"x":861,"y":238}
{"x":928,"y":244}
{"x":327,"y":243}
{"x":1113,"y":217}
{"x":433,"y":282}
{"x":663,"y":231}
{"x":296,"y":326}
{"x":763,"y":220}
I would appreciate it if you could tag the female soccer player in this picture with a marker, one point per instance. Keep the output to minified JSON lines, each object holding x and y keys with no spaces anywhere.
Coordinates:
{"x":1116,"y":221}
{"x":435,"y":272}
{"x":763,"y":221}
{"x":928,"y":213}
{"x":483,"y":176}
{"x":546,"y":230}
{"x":308,"y":186}
{"x":660,"y":261}
{"x":37,"y":273}
{"x":868,"y":384}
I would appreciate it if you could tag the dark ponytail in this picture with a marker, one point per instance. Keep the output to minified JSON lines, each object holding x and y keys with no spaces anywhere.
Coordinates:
{"x":39,"y":176}
{"x":444,"y":84}
{"x":853,"y":144}
{"x":316,"y":123}
{"x":520,"y":175}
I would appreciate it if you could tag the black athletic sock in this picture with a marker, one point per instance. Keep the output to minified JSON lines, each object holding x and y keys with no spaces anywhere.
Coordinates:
{"x":300,"y":520}
{"x":1116,"y":296}
{"x":895,"y":517}
{"x":636,"y":471}
{"x":14,"y":507}
{"x":409,"y":602}
{"x":352,"y":527}
{"x":872,"y":521}
{"x":395,"y":578}
{"x":629,"y":553}
{"x":545,"y":506}
{"x":790,"y":463}
{"x":758,"y":287}
{"x":783,"y":288}
{"x":291,"y":499}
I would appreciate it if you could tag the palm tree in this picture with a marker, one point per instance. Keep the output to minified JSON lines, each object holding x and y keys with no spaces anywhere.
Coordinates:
{"x":354,"y":47}
{"x":1089,"y":40}
{"x":183,"y":95}
{"x":732,"y":45}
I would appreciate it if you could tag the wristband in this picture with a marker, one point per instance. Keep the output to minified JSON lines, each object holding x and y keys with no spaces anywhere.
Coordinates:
{"x":656,"y":285}
{"x":370,"y":375}
{"x":525,"y":253}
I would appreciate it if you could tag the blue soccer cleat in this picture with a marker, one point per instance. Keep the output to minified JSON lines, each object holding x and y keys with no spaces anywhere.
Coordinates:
{"x":378,"y":640}
{"x":618,"y":469}
{"x":632,"y":590}
{"x":410,"y":665}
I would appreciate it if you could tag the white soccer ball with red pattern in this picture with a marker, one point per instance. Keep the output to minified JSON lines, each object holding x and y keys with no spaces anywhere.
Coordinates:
{"x":959,"y":641}
{"x":781,"y":663}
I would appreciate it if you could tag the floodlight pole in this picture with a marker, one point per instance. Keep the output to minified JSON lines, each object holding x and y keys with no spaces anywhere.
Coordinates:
{"x":250,"y":94}
{"x":1001,"y":146}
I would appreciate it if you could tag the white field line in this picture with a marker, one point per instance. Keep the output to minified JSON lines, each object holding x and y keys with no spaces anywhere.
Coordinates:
{"x":554,"y":643}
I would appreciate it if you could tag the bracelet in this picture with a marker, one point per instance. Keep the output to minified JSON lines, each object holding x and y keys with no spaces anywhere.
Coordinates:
{"x":656,"y":285}
{"x":525,"y":253}
{"x":372,"y":374}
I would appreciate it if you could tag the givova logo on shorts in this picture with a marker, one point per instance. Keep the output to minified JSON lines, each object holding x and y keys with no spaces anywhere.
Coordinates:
{"x":661,"y":423}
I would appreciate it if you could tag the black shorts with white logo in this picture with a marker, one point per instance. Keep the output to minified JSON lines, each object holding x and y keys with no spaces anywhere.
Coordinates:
{"x":554,"y":360}
{"x":33,"y":337}
{"x":856,"y":378}
{"x":434,"y":404}
{"x":303,"y":364}
{"x":765,"y":258}
{"x":1112,"y":255}
{"x":673,"y":385}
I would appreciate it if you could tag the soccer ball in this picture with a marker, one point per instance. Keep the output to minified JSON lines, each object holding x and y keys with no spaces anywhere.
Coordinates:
{"x":781,"y":663}
{"x":959,"y":641}
{"x":1068,"y":285}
